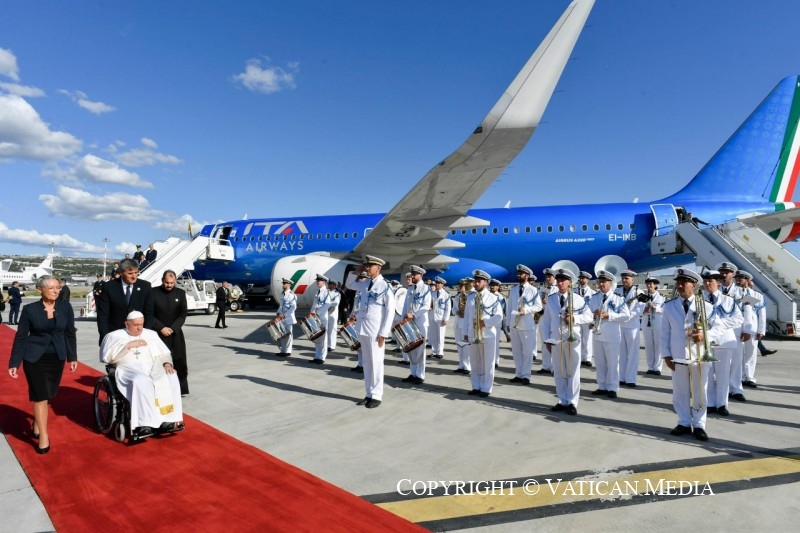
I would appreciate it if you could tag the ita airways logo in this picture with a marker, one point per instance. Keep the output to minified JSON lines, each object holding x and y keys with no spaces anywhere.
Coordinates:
{"x":275,"y":227}
{"x":299,"y":289}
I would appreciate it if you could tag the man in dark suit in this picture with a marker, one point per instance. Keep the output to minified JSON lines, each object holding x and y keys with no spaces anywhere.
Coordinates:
{"x":65,"y":293}
{"x":149,"y":256}
{"x":14,"y":301}
{"x":169,"y":314}
{"x":121,"y":296}
{"x":222,"y":302}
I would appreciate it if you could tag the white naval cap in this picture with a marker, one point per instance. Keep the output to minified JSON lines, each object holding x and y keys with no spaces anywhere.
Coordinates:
{"x":627,"y":272}
{"x":372,"y":260}
{"x":320,"y":277}
{"x":725,"y":265}
{"x":605,"y":274}
{"x":284,"y":280}
{"x":651,"y":279}
{"x":523,"y":268}
{"x":480,"y":274}
{"x":495,"y":282}
{"x":548,"y":272}
{"x":585,"y":274}
{"x":439,"y":279}
{"x":685,"y":273}
{"x":711,"y":274}
{"x":564,"y":273}
{"x":417,"y":269}
{"x":744,"y":274}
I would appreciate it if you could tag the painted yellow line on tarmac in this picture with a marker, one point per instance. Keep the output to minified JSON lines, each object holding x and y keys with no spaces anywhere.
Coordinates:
{"x":581,"y":489}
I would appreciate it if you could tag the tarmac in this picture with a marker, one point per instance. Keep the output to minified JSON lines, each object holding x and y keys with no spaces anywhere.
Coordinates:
{"x":494,"y":455}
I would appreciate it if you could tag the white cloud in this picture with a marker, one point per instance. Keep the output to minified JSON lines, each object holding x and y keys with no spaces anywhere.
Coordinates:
{"x":81,"y":98}
{"x":8,"y":64}
{"x":267,"y":79}
{"x":25,"y":135}
{"x":92,"y":168}
{"x":179,"y":225}
{"x":26,"y":91}
{"x":146,"y":156}
{"x":36,"y":239}
{"x":82,"y":205}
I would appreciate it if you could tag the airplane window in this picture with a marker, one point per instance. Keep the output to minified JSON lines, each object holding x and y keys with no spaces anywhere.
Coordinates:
{"x":596,"y":227}
{"x":463,"y":232}
{"x":494,"y":231}
{"x":346,"y":235}
{"x":292,"y":237}
{"x":327,"y":235}
{"x":584,"y":227}
{"x":560,"y":228}
{"x":527,"y":229}
{"x":319,"y":236}
{"x":252,"y":238}
{"x":549,"y":229}
{"x":355,"y":235}
{"x":619,"y":226}
{"x":505,"y":230}
{"x":484,"y":231}
{"x":310,"y":236}
{"x":516,"y":229}
{"x":538,"y":229}
{"x":633,"y":226}
{"x":336,"y":235}
{"x":572,"y":227}
{"x":474,"y":231}
{"x":259,"y":237}
{"x":608,"y":226}
{"x":302,"y":236}
{"x":284,"y":237}
{"x":452,"y":232}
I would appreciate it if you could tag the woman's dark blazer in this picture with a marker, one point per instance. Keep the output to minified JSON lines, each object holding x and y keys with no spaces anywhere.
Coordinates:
{"x":32,"y":339}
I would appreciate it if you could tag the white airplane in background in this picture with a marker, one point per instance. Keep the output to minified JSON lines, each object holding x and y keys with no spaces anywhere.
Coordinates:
{"x":28,"y":276}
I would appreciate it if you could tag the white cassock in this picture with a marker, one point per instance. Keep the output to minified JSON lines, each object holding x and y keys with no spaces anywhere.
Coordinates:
{"x":154,"y":395}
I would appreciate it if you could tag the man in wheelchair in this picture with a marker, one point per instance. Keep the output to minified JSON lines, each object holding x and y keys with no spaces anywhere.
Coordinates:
{"x":145,"y":376}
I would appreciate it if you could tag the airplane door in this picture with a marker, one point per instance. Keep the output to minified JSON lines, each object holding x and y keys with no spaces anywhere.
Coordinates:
{"x":666,"y":218}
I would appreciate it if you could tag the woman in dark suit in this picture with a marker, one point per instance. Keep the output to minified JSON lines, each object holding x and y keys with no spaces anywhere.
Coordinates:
{"x":45,"y":339}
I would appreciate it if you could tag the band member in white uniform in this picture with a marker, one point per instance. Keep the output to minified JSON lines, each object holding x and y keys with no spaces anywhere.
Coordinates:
{"x":359,"y":368}
{"x":609,"y":312}
{"x":729,"y":286}
{"x":548,"y":288}
{"x":286,"y":312}
{"x":758,"y":327}
{"x":727,"y":315}
{"x":689,"y":377}
{"x":373,"y":324}
{"x":652,"y":317}
{"x":561,"y":334}
{"x":494,"y":287}
{"x":400,"y":316}
{"x":459,"y":326}
{"x":418,"y":303}
{"x":523,"y":303}
{"x":334,"y":299}
{"x":586,"y":292}
{"x":482,"y":321}
{"x":629,"y":344}
{"x":320,"y":308}
{"x":441,"y":314}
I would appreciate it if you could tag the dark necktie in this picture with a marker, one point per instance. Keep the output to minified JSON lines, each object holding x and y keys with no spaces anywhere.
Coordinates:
{"x":712,"y":299}
{"x":520,"y":291}
{"x":563,"y":300}
{"x":605,"y":297}
{"x":725,"y":290}
{"x":686,"y":306}
{"x":370,"y":284}
{"x":583,"y":292}
{"x":127,"y":294}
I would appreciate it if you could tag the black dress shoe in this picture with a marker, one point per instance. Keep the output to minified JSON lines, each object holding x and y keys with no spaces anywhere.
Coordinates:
{"x":680,"y":430}
{"x":438,"y":357}
{"x":484,"y":395}
{"x":515,"y":380}
{"x":218,"y":327}
{"x":631,"y":385}
{"x":525,"y":381}
{"x":612,"y":394}
{"x":474,"y":392}
{"x":409,"y":379}
{"x":723,"y":411}
{"x":768,"y":352}
{"x":586,"y":363}
{"x":224,"y":327}
{"x":417,"y":381}
{"x":599,"y":392}
{"x":364,"y":401}
{"x":622,"y":383}
{"x":458,"y":370}
{"x":558,"y":407}
{"x":372,"y":404}
{"x":749,"y":384}
{"x":572,"y":410}
{"x":543,"y":371}
{"x":656,"y":372}
{"x":711,"y":410}
{"x":317,"y":361}
{"x":700,"y":434}
{"x":739,"y":397}
{"x":357,"y":369}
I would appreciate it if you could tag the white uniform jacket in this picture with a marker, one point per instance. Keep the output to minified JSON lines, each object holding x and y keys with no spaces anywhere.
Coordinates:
{"x":491,"y":313}
{"x":288,"y":307}
{"x":617,"y":311}
{"x":553,"y":327}
{"x":521,"y":308}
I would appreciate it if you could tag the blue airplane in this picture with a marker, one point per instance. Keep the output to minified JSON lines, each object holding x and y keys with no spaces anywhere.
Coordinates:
{"x":751,"y":177}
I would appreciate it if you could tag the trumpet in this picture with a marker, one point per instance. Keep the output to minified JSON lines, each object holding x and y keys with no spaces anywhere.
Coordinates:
{"x":599,"y":318}
{"x":569,"y":319}
{"x":462,"y":303}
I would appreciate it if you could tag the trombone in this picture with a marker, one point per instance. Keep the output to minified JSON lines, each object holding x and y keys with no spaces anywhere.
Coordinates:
{"x":698,"y":352}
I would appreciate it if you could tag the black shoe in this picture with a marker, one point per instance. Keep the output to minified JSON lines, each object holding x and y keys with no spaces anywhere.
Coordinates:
{"x":405,"y":363}
{"x":680,"y":430}
{"x":586,"y":363}
{"x":749,"y":384}
{"x":372,"y":404}
{"x":599,"y":392}
{"x":317,"y":361}
{"x":711,"y":410}
{"x":515,"y":380}
{"x":42,"y":451}
{"x":534,"y":358}
{"x":723,"y":411}
{"x":364,"y":401}
{"x":142,"y":432}
{"x":612,"y":394}
{"x":438,"y":357}
{"x":474,"y":392}
{"x":572,"y":410}
{"x":525,"y":381}
{"x":459,"y":371}
{"x":496,"y":365}
{"x":739,"y":397}
{"x":224,"y":327}
{"x":417,"y":381}
{"x":358,"y":369}
{"x":282,"y":354}
{"x":622,"y":383}
{"x":768,"y":352}
{"x":218,"y":327}
{"x":656,"y":372}
{"x":542,"y":371}
{"x":700,"y":434}
{"x":558,"y":407}
{"x":631,"y":385}
{"x":409,"y":379}
{"x":484,"y":395}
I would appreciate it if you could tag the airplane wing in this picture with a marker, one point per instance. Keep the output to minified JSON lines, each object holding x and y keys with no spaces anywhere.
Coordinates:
{"x":415,"y":230}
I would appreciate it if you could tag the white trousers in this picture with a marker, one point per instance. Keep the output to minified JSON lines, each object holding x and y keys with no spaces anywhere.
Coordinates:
{"x":436,"y":334}
{"x":332,"y":329}
{"x":652,"y":347}
{"x":523,"y":348}
{"x":749,"y":358}
{"x":719,"y":378}
{"x":682,"y":395}
{"x":587,"y":333}
{"x":463,"y":351}
{"x":606,"y":361}
{"x":321,"y":346}
{"x":372,"y":360}
{"x":567,"y":372}
{"x":417,"y":355}
{"x":285,"y":342}
{"x":629,"y":355}
{"x":482,"y":358}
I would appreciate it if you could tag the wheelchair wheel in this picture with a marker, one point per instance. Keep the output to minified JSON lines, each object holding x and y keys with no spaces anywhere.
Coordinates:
{"x":119,"y":433}
{"x":105,"y":405}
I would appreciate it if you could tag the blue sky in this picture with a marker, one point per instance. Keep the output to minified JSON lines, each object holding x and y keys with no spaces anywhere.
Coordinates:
{"x":128,"y":120}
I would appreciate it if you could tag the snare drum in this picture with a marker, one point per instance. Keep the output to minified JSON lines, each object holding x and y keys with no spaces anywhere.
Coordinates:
{"x":312,"y":326}
{"x":407,"y":335}
{"x":349,"y":334}
{"x":278,"y":329}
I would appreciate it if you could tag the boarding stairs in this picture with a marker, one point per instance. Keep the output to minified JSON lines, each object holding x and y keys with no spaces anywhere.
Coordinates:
{"x":179,"y":255}
{"x":776,"y":272}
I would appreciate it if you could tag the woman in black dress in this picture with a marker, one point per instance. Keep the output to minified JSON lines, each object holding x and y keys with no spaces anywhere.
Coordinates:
{"x":45,"y":339}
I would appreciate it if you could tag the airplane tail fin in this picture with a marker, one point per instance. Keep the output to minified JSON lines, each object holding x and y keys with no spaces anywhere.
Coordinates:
{"x":47,"y":264}
{"x":760,"y":160}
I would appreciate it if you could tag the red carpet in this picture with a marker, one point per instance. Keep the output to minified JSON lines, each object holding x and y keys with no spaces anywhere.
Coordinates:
{"x":200,"y":479}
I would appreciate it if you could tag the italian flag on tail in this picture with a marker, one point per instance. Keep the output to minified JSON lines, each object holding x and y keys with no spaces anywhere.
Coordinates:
{"x":787,"y":171}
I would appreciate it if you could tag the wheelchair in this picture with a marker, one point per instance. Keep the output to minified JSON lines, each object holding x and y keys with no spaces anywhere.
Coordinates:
{"x":112,"y":412}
